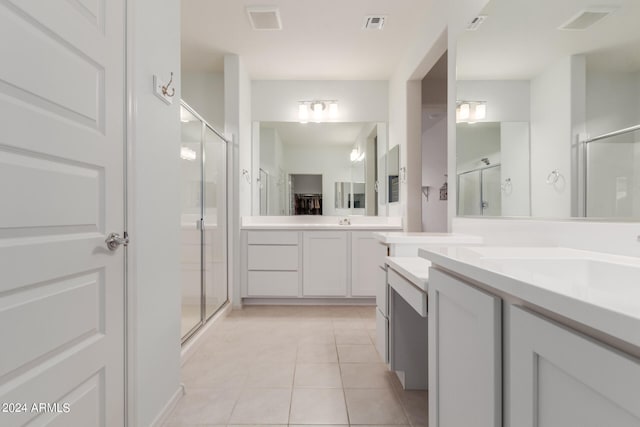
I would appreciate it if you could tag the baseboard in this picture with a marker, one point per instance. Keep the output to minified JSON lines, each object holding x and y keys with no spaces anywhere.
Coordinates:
{"x":309,"y":301}
{"x":169,"y":407}
{"x":193,"y":343}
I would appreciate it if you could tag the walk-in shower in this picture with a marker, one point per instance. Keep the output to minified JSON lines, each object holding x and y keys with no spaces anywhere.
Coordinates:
{"x":611,"y":181}
{"x":203,"y":154}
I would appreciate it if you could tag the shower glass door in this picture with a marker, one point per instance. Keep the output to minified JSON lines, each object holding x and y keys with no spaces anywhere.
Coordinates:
{"x":190,"y":218}
{"x":204,"y":221}
{"x":215,"y":223}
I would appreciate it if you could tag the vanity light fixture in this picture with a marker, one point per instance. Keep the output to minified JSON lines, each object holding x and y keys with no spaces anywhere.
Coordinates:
{"x":318,"y":109}
{"x":471,"y":111}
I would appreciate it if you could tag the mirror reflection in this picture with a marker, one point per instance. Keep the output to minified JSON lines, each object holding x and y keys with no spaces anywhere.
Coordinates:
{"x":575,"y":83}
{"x":321,"y":168}
{"x":393,"y":176}
{"x":493,"y":168}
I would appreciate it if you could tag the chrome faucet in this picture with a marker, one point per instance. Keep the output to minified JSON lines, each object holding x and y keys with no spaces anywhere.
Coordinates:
{"x":345,"y":221}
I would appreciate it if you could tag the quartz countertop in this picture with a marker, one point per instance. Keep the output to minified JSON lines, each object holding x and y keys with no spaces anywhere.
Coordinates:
{"x":427,"y":238}
{"x":319,"y":222}
{"x":415,"y":269}
{"x":599,"y":290}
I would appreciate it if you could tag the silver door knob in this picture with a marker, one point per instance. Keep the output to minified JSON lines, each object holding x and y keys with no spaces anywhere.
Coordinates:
{"x":114,"y":240}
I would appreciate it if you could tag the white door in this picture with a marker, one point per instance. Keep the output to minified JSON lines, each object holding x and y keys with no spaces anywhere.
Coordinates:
{"x":367,"y":256}
{"x":465,"y":348}
{"x":558,"y":377}
{"x":324,"y":263}
{"x":61,"y":193}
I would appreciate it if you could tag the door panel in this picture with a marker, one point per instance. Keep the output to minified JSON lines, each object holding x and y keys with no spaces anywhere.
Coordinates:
{"x":61,"y":186}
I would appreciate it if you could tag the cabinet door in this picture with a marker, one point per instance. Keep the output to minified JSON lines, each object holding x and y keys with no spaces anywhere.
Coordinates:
{"x":465,"y":362}
{"x":325,"y":263}
{"x":557,"y":377}
{"x":367,"y":255}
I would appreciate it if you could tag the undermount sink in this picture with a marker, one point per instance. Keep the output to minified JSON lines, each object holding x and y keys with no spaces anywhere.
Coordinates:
{"x":589,"y":276}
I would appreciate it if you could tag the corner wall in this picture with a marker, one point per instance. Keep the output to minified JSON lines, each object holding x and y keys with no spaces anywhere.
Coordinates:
{"x":153,"y":214}
{"x":238,"y":128}
{"x":444,"y":22}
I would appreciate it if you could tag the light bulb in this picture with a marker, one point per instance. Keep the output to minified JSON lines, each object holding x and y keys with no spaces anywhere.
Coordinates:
{"x":317,"y":108}
{"x":481,"y":111}
{"x":303,"y":112}
{"x":333,"y":109}
{"x":464,"y":111}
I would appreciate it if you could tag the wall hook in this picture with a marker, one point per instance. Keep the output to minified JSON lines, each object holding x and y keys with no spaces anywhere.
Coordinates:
{"x":165,"y":88}
{"x":246,"y":175}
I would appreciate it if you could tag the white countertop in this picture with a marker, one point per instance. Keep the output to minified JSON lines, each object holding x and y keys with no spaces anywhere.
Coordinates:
{"x":427,"y":238}
{"x":415,"y":269}
{"x":315,"y":226}
{"x":573,"y":283}
{"x":320,"y":222}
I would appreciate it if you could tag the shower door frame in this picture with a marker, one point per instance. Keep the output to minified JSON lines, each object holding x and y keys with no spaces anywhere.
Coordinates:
{"x":204,"y":318}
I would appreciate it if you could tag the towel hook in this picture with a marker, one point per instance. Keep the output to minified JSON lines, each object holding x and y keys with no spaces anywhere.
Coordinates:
{"x":165,"y":88}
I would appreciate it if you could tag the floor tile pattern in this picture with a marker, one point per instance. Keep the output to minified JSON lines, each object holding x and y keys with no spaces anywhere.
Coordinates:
{"x":294,"y":366}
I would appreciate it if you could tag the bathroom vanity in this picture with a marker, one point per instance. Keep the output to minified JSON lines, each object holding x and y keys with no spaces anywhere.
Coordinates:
{"x":332,"y":258}
{"x":533,"y":336}
{"x":405,"y":245}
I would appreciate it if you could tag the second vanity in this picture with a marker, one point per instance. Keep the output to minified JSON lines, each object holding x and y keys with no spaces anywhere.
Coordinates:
{"x":312,"y":258}
{"x":524,"y":337}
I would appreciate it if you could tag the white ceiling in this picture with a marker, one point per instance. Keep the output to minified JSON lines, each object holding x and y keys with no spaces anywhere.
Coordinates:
{"x":292,"y":133}
{"x":320,"y":39}
{"x":520,"y":38}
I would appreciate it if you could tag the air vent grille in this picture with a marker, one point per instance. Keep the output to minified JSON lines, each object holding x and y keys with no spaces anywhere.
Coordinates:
{"x":477,"y":21}
{"x":585,"y":19}
{"x":264,"y":18}
{"x":374,"y":22}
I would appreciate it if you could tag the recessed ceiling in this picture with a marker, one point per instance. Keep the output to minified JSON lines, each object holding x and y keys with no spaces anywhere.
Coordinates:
{"x":319,"y":40}
{"x":292,"y":133}
{"x":520,"y":38}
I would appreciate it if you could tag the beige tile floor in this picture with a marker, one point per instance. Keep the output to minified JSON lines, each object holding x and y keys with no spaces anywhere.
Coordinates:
{"x":279,"y":366}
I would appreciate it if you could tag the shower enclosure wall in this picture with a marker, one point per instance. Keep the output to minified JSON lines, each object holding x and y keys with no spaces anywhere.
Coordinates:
{"x":203,"y":154}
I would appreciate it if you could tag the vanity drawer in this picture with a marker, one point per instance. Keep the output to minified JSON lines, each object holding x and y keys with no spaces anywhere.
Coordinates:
{"x":272,"y":257}
{"x":272,"y":237}
{"x":382,"y":296}
{"x":272,"y":283}
{"x":411,"y":294}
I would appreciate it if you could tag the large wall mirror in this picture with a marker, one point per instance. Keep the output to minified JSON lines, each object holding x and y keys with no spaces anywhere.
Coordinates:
{"x":320,"y":168}
{"x":548,"y":108}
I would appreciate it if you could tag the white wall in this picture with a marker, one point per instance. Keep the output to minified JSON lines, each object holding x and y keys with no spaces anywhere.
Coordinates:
{"x":237,"y":112}
{"x":358,"y":101}
{"x":204,"y":92}
{"x":507,"y":100}
{"x":154,"y":210}
{"x":434,"y":169}
{"x":551,"y":137}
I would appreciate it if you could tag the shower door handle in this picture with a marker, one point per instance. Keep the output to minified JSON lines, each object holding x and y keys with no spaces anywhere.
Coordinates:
{"x":114,"y":241}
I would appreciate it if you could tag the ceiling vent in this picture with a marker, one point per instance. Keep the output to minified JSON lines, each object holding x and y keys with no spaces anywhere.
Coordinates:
{"x":586,"y":18}
{"x":264,"y":18}
{"x":373,"y":22}
{"x":477,"y":21}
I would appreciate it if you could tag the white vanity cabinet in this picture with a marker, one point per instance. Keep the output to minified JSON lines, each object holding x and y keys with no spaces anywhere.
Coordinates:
{"x":559,"y":377}
{"x":311,"y":263}
{"x":465,"y":363}
{"x":367,"y":254}
{"x":325,"y":263}
{"x":272,"y":260}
